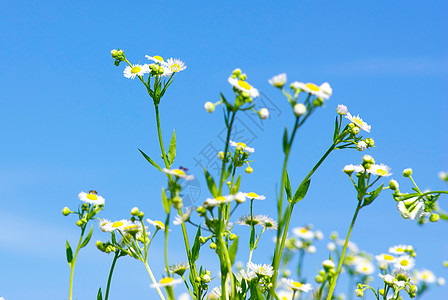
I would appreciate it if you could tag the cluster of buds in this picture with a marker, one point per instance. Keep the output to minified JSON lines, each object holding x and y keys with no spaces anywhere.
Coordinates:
{"x":88,"y":210}
{"x":327,"y":272}
{"x":105,"y":247}
{"x":118,"y":55}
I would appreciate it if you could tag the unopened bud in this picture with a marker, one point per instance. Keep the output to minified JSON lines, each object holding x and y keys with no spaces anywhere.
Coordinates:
{"x":393,"y":184}
{"x":213,"y":246}
{"x":209,"y":107}
{"x":206,"y":278}
{"x":299,"y":109}
{"x":342,"y":109}
{"x":79,"y":223}
{"x":370,"y":142}
{"x":328,"y":265}
{"x":232,"y":236}
{"x":66,"y":211}
{"x":221,"y":155}
{"x":359,"y":293}
{"x":249,"y":170}
{"x":140,"y":214}
{"x":236,"y":71}
{"x":368,"y":159}
{"x":134,"y":211}
{"x":318,"y":279}
{"x":263,"y":113}
{"x":407,"y":172}
{"x":361,"y":146}
{"x":202,"y":240}
{"x":434,"y":218}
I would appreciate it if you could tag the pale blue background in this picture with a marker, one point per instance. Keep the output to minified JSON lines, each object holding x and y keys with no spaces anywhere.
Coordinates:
{"x":70,"y":122}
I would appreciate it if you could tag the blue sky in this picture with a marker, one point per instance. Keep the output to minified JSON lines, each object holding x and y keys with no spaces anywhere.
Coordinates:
{"x":71,"y":122}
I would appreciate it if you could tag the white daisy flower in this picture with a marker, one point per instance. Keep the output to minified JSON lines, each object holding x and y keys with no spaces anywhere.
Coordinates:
{"x":241,"y":146}
{"x":243,"y":86}
{"x":361,"y":146}
{"x":269,"y":223}
{"x":117,"y":225}
{"x":253,"y":195}
{"x":404,"y":262}
{"x":166,"y":70}
{"x":349,"y":169}
{"x":178,"y":173}
{"x":135,"y":70}
{"x":380,"y":170}
{"x":391,"y":280}
{"x":179,"y":219}
{"x":240,"y":197}
{"x":157,"y":224}
{"x":216,"y":292}
{"x":297,"y":286}
{"x":212,"y":202}
{"x":441,"y":281}
{"x":248,"y":276}
{"x":358,"y":122}
{"x":417,"y":211}
{"x":404,"y":212}
{"x":156,"y":59}
{"x":91,"y":197}
{"x":311,"y":249}
{"x":278,"y":80}
{"x":104,"y":224}
{"x":400,"y":249}
{"x":167,"y":281}
{"x":248,"y":221}
{"x":179,"y":269}
{"x":303,"y":232}
{"x":331,"y":246}
{"x":321,"y":91}
{"x":341,"y":109}
{"x":285,"y":295}
{"x":261,"y":270}
{"x":425,"y":276}
{"x":384,"y":260}
{"x":363,"y":266}
{"x":319,"y":235}
{"x":175,"y":65}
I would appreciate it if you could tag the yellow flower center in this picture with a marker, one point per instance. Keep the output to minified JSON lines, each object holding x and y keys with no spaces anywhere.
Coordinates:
{"x":160,"y":224}
{"x":179,"y":172}
{"x":425,"y":276}
{"x":388,"y":257}
{"x":220,"y":198}
{"x":400,"y":250}
{"x":404,"y":262}
{"x":92,"y":197}
{"x":117,"y":224}
{"x":365,"y":269}
{"x":244,"y":84}
{"x":303,"y":230}
{"x":381,"y":172}
{"x":297,"y":284}
{"x":312,"y":87}
{"x":135,"y":69}
{"x":357,"y":121}
{"x":252,"y":195}
{"x":241,"y":145}
{"x":175,"y":68}
{"x":158,"y":57}
{"x":166,"y":280}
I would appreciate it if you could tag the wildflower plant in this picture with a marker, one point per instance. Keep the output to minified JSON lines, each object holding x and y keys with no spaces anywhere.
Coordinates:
{"x":215,"y":222}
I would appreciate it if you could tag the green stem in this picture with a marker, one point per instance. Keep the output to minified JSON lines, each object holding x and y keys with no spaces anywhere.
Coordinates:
{"x":166,"y":243}
{"x":341,"y":260}
{"x":72,"y":264}
{"x":226,"y":148}
{"x":116,"y":256}
{"x":154,"y":281}
{"x":159,"y":133}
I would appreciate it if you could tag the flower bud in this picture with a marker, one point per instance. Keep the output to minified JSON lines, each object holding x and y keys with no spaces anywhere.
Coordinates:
{"x":206,"y":278}
{"x":318,"y":102}
{"x":441,"y":281}
{"x":355,"y":130}
{"x":221,"y":155}
{"x":232,"y":236}
{"x":328,"y":265}
{"x":349,"y":169}
{"x":209,"y":107}
{"x":342,"y":109}
{"x":213,"y":246}
{"x":370,"y":142}
{"x":407,"y":172}
{"x":201,"y":210}
{"x":319,"y":279}
{"x":66,"y":211}
{"x":359,"y":293}
{"x":99,"y":245}
{"x":381,"y":291}
{"x":368,"y":159}
{"x":237,"y":71}
{"x":434,"y":218}
{"x":361,"y":146}
{"x":263,"y":113}
{"x":249,"y":170}
{"x":393,"y":184}
{"x":299,"y":109}
{"x":243,"y":76}
{"x":134,"y":211}
{"x":114,"y":53}
{"x":140,"y":214}
{"x":202,"y":240}
{"x":445,"y":263}
{"x":79,"y":223}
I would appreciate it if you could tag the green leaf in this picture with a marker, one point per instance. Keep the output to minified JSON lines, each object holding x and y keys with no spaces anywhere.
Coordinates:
{"x":288,"y":187}
{"x":301,"y":191}
{"x":69,"y":252}
{"x":196,"y":246}
{"x":100,"y":295}
{"x":232,"y":250}
{"x":87,"y":239}
{"x":361,"y":187}
{"x":165,"y":201}
{"x":285,"y":140}
{"x":150,"y":160}
{"x":172,"y":149}
{"x":372,"y":196}
{"x":336,"y":131}
{"x":236,"y":186}
{"x":211,"y":183}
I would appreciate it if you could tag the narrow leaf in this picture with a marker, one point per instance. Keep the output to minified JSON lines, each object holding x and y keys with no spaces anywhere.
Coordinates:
{"x":165,"y":202}
{"x":301,"y":191}
{"x":233,"y":249}
{"x":196,"y":246}
{"x":336,"y":130}
{"x":373,"y":195}
{"x":100,"y":295}
{"x":211,"y":183}
{"x":69,"y":252}
{"x":288,"y":188}
{"x":285,"y":140}
{"x":172,"y":149}
{"x":236,"y":186}
{"x":87,"y":239}
{"x":150,"y":160}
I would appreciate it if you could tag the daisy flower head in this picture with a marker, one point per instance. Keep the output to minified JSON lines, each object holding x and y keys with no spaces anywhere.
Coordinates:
{"x":241,"y":146}
{"x":269,"y":223}
{"x":404,"y":262}
{"x":156,"y":58}
{"x":363,"y":266}
{"x":401,"y":249}
{"x":349,"y":169}
{"x":157,"y":224}
{"x":212,"y":202}
{"x":249,"y":221}
{"x":135,"y":70}
{"x":248,"y":276}
{"x":303,"y":233}
{"x":425,"y":276}
{"x":297,"y":286}
{"x":261,"y":270}
{"x":175,"y":65}
{"x":358,"y":122}
{"x":167,"y":281}
{"x":179,"y":173}
{"x":323,"y":91}
{"x":179,"y":219}
{"x":106,"y":225}
{"x":253,"y":195}
{"x":278,"y":80}
{"x":384,"y":260}
{"x":341,"y":109}
{"x":285,"y":294}
{"x":243,"y":86}
{"x":91,"y":197}
{"x":380,"y":170}
{"x":240,"y":197}
{"x":179,"y":269}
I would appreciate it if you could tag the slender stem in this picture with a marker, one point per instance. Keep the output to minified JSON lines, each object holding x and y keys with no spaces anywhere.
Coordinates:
{"x":154,"y":281}
{"x":341,"y":260}
{"x":226,"y":148}
{"x":167,"y":223}
{"x":188,"y":288}
{"x":72,"y":264}
{"x":159,"y":133}
{"x":116,"y":256}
